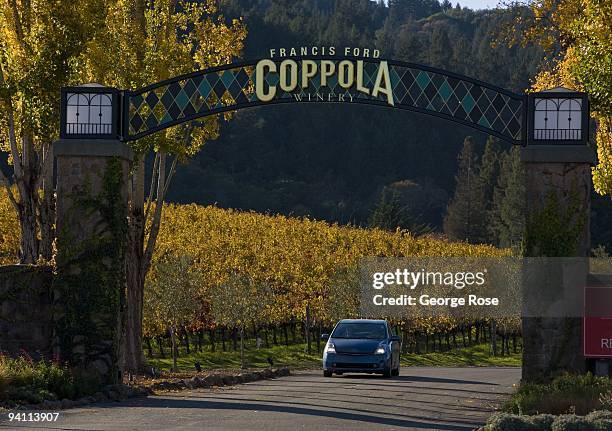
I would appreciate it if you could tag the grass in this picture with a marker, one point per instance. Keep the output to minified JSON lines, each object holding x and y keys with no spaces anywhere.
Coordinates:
{"x":294,"y":356}
{"x":579,"y":394}
{"x":477,"y":355}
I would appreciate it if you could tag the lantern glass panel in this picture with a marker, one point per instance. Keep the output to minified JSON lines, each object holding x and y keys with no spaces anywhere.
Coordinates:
{"x":557,"y":119}
{"x":89,"y":113}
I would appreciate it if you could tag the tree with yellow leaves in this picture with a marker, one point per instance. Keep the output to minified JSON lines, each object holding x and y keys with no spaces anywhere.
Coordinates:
{"x":147,"y":41}
{"x":239,"y":301}
{"x":40,"y":42}
{"x":9,"y":231}
{"x":577,"y":35}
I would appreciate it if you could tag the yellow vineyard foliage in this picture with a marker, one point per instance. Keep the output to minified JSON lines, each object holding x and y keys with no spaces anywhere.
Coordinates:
{"x":296,"y":260}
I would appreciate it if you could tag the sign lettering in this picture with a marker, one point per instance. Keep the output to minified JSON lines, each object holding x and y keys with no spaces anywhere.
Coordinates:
{"x":297,"y":76}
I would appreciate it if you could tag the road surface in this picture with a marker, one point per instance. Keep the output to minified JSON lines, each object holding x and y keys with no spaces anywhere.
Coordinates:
{"x":422,"y":398}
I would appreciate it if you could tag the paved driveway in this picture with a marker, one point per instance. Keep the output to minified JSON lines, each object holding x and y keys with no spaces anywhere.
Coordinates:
{"x":422,"y":398}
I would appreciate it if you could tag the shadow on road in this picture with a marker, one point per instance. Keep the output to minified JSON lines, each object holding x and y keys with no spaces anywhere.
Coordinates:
{"x":168,"y":403}
{"x":417,"y":379}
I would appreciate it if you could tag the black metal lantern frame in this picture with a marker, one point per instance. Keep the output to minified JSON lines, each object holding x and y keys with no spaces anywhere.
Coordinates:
{"x":558,"y":110}
{"x":90,"y":113}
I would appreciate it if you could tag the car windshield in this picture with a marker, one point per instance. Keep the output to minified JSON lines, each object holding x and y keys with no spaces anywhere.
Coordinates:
{"x":374,"y":331}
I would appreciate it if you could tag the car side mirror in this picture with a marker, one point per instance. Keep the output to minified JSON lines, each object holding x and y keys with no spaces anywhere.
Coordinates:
{"x":395,"y":338}
{"x":324,"y":337}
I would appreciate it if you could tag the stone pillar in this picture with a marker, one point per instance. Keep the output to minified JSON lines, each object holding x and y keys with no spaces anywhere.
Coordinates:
{"x":559,"y":174}
{"x":92,"y":202}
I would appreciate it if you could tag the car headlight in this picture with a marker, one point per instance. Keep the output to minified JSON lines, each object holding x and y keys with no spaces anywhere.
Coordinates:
{"x":330,"y":348}
{"x":380,"y":351}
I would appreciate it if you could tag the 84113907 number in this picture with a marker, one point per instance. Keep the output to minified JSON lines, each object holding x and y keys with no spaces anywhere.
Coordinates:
{"x":33,"y":417}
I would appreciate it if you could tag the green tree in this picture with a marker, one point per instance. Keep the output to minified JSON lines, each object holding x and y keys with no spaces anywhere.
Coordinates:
{"x":394,"y":210}
{"x":489,"y":169}
{"x":488,"y":174}
{"x":507,"y":216}
{"x":465,"y":218}
{"x":440,"y":51}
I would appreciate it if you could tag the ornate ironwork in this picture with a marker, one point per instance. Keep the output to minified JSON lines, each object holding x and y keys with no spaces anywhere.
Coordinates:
{"x":415,"y":87}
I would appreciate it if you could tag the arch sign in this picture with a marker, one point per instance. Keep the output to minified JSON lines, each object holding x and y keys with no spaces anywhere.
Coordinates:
{"x":325,"y":75}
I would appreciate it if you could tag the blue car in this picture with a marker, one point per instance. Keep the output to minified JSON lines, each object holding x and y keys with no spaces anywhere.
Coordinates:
{"x":361,"y":346}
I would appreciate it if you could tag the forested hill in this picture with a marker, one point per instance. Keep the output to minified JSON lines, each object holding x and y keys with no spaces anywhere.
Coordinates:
{"x":332,"y":161}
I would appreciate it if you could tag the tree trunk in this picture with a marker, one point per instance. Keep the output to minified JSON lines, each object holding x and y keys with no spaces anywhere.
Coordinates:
{"x":307,"y":331}
{"x":274,"y":340}
{"x":223,"y":338}
{"x":47,"y":206}
{"x":132,"y":359}
{"x":187,"y":345}
{"x":149,"y":347}
{"x":212,"y":340}
{"x":242,"y":363}
{"x":174,"y":350}
{"x":139,"y":255}
{"x":28,"y":245}
{"x":160,"y":344}
{"x":493,"y":332}
{"x":286,"y":334}
{"x":200,"y":339}
{"x":234,"y":339}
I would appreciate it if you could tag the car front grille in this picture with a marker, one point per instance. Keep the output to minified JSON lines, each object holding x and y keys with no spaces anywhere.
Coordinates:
{"x":354,"y":365}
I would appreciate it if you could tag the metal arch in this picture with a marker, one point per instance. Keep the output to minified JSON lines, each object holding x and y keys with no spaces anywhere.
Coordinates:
{"x":416,"y":87}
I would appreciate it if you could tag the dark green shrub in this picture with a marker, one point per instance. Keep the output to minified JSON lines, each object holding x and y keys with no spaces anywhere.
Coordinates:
{"x":567,"y":393}
{"x":509,"y":422}
{"x":542,"y":422}
{"x":572,"y":423}
{"x":601,"y":420}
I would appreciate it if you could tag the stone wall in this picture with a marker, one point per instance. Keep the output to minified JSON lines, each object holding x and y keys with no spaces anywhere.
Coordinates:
{"x":26,"y":310}
{"x":92,"y":196}
{"x":563,"y":172}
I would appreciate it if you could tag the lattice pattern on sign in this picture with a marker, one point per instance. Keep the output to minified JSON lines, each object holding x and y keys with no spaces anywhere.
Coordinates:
{"x":426,"y":90}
